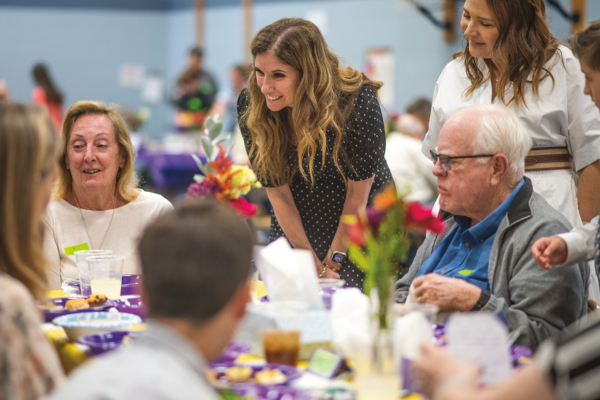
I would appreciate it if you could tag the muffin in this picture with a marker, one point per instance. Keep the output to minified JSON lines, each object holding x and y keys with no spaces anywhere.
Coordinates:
{"x":96,"y":299}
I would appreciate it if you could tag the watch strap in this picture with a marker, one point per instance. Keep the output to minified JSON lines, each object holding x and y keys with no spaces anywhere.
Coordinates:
{"x":482,"y":301}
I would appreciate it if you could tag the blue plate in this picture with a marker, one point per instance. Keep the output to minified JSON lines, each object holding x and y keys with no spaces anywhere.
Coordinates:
{"x":102,"y":342}
{"x":49,"y":315}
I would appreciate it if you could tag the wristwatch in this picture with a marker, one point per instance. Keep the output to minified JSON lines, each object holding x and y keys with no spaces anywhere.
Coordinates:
{"x":337,"y":256}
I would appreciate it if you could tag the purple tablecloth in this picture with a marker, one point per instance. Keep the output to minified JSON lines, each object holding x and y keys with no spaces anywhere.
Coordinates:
{"x":168,"y":170}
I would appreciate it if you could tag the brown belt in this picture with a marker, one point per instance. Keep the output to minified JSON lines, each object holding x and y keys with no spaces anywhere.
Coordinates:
{"x":548,"y":159}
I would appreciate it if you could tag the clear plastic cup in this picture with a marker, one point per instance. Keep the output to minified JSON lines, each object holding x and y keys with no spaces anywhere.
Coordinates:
{"x":106,"y":273}
{"x":282,"y":345}
{"x":84,"y":271}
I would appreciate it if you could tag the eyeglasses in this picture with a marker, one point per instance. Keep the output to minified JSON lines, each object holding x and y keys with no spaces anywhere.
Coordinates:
{"x":445,"y":160}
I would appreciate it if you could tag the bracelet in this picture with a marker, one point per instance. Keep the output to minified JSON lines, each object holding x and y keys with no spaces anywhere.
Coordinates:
{"x":325,"y":266}
{"x":453,"y":381}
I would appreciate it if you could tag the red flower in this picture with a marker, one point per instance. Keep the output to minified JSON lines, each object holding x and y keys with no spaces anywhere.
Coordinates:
{"x":421,"y":218}
{"x":222,"y":162}
{"x":245,"y":209}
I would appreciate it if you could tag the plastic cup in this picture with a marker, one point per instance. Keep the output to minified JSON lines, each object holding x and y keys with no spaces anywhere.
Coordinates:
{"x":84,"y":271}
{"x":106,"y":273}
{"x":282,"y":345}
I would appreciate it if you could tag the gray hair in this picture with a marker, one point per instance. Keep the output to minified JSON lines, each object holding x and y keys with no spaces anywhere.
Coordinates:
{"x":500,"y":131}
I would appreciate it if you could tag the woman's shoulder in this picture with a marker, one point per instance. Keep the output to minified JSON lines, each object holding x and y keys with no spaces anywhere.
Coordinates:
{"x":13,"y":293}
{"x":243,"y":100}
{"x":149,"y":200}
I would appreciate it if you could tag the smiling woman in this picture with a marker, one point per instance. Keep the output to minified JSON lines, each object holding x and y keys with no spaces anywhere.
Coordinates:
{"x":314,"y":134}
{"x":96,"y":202}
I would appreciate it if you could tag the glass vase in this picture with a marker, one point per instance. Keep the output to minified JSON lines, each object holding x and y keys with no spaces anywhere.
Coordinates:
{"x":376,"y":374}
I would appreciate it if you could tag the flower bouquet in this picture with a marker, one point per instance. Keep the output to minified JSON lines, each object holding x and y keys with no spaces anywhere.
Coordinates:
{"x":219,"y":177}
{"x":379,"y":240}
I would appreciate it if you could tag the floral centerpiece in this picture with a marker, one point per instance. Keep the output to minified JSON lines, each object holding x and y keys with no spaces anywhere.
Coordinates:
{"x":219,"y":177}
{"x":379,"y":240}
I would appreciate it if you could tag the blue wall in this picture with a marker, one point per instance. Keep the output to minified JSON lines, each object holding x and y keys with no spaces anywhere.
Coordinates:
{"x":84,"y":50}
{"x":85,"y":47}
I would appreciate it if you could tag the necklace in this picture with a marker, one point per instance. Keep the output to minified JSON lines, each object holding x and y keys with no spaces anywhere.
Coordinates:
{"x":85,"y":225}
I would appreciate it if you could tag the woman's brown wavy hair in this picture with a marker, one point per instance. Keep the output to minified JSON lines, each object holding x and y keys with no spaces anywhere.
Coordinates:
{"x":523,"y":47}
{"x":29,"y":149}
{"x":324,"y":99}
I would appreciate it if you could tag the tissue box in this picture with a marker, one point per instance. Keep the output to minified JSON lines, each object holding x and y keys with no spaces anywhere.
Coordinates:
{"x":315,"y":331}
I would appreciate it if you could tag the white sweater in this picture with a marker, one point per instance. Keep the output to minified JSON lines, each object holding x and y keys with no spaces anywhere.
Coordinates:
{"x":65,"y":228}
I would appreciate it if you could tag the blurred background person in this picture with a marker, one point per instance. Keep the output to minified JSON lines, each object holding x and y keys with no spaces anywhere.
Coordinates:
{"x":96,"y":201}
{"x":421,"y":108}
{"x":4,"y":91}
{"x":195,"y":83}
{"x":29,"y":149}
{"x":47,"y":94}
{"x":410,"y":168}
{"x":226,"y":104}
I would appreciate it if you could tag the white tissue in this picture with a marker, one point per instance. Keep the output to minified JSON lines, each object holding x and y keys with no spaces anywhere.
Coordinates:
{"x":289,"y":274}
{"x":412,"y":297}
{"x":350,"y":322}
{"x":409,"y":332}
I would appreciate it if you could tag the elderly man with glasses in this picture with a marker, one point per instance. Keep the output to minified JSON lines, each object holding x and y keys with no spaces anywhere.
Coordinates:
{"x":482,"y":260}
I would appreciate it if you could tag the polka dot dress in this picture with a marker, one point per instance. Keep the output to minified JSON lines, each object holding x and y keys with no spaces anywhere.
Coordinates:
{"x":320,"y":206}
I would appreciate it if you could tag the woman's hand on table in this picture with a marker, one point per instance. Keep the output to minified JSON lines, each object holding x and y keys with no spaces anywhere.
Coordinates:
{"x":332,"y":264}
{"x":441,"y":375}
{"x":329,"y":272}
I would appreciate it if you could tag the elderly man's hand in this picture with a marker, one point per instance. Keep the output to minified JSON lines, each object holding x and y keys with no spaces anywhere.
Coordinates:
{"x":449,"y":294}
{"x":439,"y":373}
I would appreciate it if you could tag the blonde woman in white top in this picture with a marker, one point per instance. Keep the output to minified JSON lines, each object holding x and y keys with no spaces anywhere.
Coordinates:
{"x":512,"y":59}
{"x":96,"y":203}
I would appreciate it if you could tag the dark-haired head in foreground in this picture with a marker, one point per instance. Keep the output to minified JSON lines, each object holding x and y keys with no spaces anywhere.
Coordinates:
{"x":194,"y":260}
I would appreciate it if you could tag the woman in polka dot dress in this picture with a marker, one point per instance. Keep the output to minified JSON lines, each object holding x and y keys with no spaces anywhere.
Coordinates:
{"x":315,"y":137}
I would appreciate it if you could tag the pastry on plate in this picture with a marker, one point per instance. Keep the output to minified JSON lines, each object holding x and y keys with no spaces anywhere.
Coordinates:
{"x":96,"y":299}
{"x":269,"y":377}
{"x":76,"y":304}
{"x":238,"y":374}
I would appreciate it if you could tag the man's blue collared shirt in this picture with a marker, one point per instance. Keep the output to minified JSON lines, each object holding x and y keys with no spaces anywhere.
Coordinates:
{"x":465,"y":252}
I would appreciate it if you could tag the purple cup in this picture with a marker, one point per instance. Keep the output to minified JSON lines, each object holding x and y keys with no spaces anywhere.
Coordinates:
{"x":131,"y":304}
{"x":106,"y":341}
{"x":232,"y":351}
{"x":49,"y":315}
{"x":130,"y":284}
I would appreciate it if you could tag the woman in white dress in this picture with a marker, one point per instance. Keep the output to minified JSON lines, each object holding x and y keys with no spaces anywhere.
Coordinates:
{"x":96,"y":202}
{"x":511,"y":59}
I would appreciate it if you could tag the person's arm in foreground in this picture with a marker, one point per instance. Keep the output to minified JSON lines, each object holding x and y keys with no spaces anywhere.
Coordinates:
{"x":443,"y":377}
{"x":289,"y":219}
{"x":588,"y":192}
{"x":566,"y":248}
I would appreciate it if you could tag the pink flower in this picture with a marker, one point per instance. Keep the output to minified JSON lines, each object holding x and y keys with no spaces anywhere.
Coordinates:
{"x":421,"y":218}
{"x":200,"y":189}
{"x":245,"y":209}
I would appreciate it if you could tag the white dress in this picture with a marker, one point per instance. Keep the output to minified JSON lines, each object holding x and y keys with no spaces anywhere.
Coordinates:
{"x":64,"y":228}
{"x":562,"y":116}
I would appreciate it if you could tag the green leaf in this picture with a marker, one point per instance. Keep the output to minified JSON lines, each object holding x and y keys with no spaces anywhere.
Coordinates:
{"x":208,"y":147}
{"x":198,"y":161}
{"x":359,"y":258}
{"x":198,"y":178}
{"x":214,"y":129}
